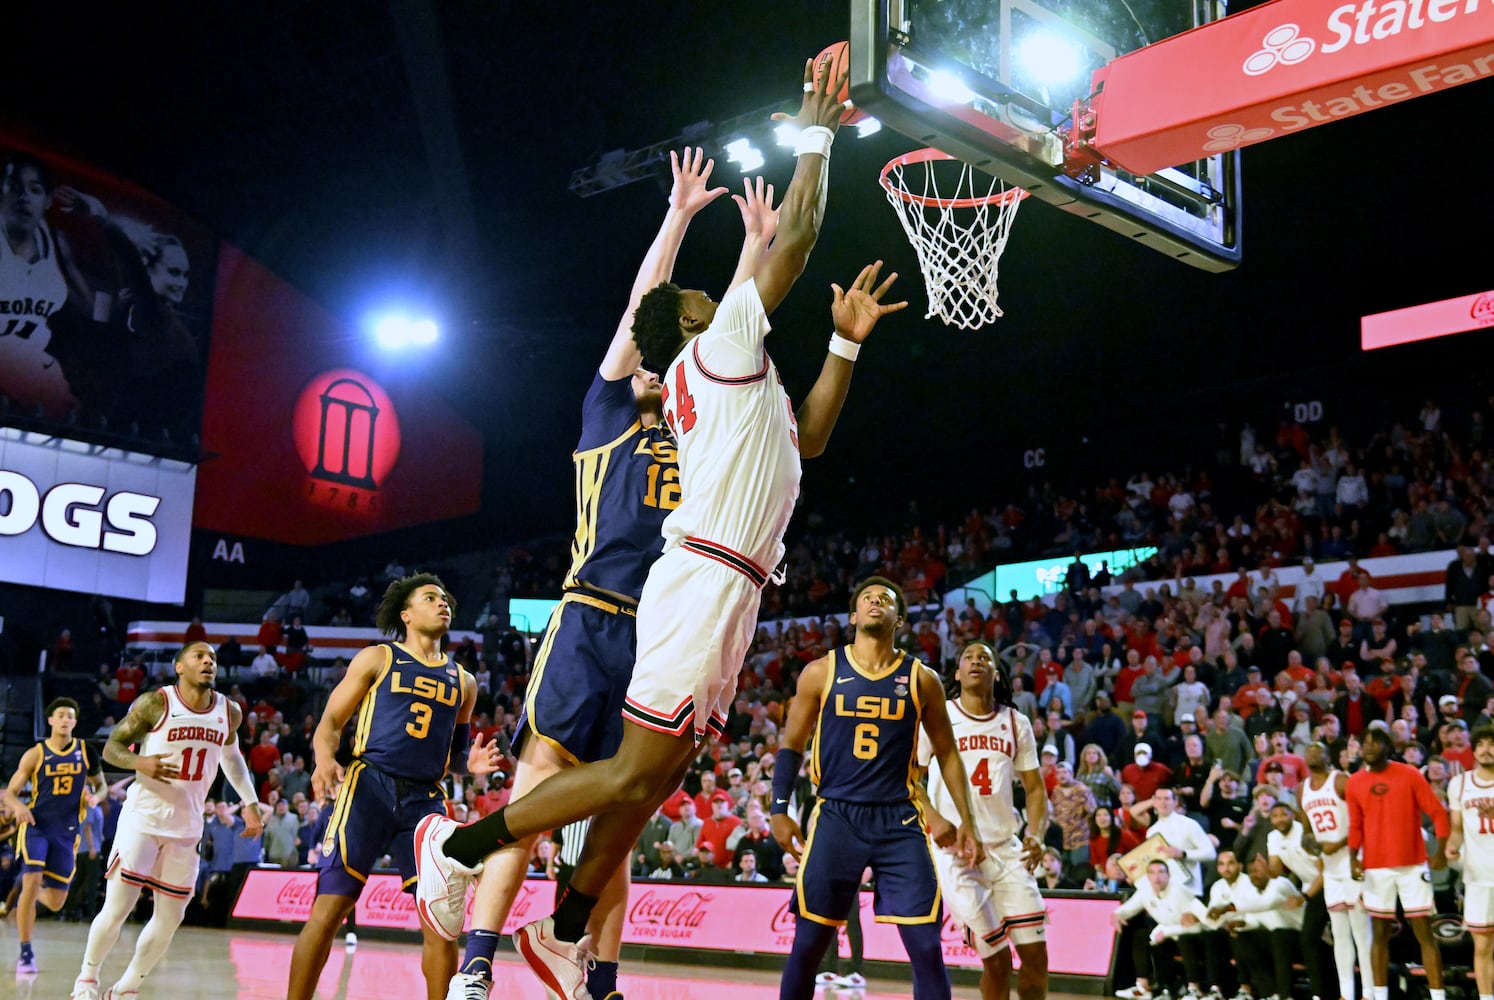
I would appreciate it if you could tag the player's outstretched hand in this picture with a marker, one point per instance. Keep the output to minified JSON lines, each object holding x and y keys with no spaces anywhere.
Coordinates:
{"x":22,"y":814}
{"x":157,"y":766}
{"x":786,"y":831}
{"x":821,"y":104}
{"x":759,"y":217}
{"x":325,"y":780}
{"x":857,"y":310}
{"x":941,"y":830}
{"x":70,"y":199}
{"x":967,"y":845}
{"x":483,"y":757}
{"x":689,"y":193}
{"x":253,"y":822}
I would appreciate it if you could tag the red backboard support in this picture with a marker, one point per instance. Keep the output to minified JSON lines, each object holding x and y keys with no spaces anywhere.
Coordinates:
{"x":1280,"y":68}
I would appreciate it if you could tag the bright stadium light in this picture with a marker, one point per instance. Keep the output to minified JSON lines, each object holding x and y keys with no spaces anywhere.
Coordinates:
{"x":867,"y":126}
{"x":949,"y":89}
{"x":744,"y":154}
{"x":397,"y":331}
{"x":1050,"y":59}
{"x":787,"y":134}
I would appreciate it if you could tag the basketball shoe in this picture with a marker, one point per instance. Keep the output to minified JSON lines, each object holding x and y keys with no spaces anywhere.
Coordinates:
{"x":560,"y":965}
{"x":441,"y":883}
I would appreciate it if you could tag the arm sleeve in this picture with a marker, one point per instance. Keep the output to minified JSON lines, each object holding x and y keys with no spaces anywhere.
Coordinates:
{"x":237,"y":773}
{"x":733,"y":345}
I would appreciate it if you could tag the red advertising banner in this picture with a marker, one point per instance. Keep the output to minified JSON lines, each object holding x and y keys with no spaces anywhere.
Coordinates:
{"x":307,"y":448}
{"x":1280,"y":68}
{"x":692,"y":915}
{"x":1423,"y":322}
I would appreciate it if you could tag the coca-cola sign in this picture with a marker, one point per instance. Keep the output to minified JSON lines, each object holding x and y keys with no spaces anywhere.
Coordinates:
{"x":685,"y":915}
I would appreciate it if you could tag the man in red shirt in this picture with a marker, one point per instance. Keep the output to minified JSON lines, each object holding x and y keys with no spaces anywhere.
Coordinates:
{"x":1127,"y":677}
{"x":1144,"y":774}
{"x":716,"y":828}
{"x":131,"y":678}
{"x":1390,"y":798}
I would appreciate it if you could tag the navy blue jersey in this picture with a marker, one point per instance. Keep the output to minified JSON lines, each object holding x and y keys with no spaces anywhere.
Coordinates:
{"x":627,"y":481}
{"x":57,"y":785}
{"x":406,"y":720}
{"x":866,"y":738}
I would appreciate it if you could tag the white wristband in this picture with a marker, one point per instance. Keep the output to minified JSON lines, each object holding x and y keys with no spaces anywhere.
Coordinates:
{"x":843,"y":348}
{"x":815,"y":139}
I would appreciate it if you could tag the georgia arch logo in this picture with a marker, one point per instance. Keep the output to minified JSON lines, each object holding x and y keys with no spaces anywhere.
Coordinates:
{"x":347,"y":435}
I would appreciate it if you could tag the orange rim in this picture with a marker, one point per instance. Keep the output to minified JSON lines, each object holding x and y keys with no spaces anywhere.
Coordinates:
{"x":929,"y":155}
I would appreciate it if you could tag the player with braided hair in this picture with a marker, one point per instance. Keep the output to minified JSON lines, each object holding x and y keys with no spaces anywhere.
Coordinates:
{"x":997,"y":900}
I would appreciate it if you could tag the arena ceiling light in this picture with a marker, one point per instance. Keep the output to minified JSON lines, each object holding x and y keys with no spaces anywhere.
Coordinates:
{"x":399,"y":331}
{"x":1050,"y":59}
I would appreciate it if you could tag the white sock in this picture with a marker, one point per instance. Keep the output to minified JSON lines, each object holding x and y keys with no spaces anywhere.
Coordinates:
{"x":1437,"y":994}
{"x":1380,"y":992}
{"x":119,"y":899}
{"x":153,"y":940}
{"x":1486,"y":996}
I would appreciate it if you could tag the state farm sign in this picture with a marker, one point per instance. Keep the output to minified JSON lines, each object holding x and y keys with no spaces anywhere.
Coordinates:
{"x":91,"y":519}
{"x":689,"y":915}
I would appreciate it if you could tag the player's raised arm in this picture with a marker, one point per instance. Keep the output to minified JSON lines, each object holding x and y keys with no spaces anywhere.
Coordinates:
{"x":341,"y":704}
{"x":759,"y":224}
{"x":855,"y":313}
{"x":11,"y":797}
{"x":145,"y":714}
{"x":688,"y":196}
{"x":803,"y":711}
{"x":803,"y":207}
{"x":951,"y":767}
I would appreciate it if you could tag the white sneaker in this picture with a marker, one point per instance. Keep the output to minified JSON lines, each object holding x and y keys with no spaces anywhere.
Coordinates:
{"x":855,"y":981}
{"x":441,"y":884}
{"x":560,"y":965}
{"x":85,"y":989}
{"x":825,"y":979}
{"x":1137,"y":992}
{"x":351,"y":941}
{"x":465,"y":987}
{"x":115,"y":993}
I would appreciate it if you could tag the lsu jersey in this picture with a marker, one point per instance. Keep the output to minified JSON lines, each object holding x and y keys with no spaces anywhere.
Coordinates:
{"x":993,"y":748}
{"x":867,"y":732}
{"x":194,"y":742}
{"x":58,"y":784}
{"x":406,"y":720}
{"x":627,"y":482}
{"x":737,"y":439}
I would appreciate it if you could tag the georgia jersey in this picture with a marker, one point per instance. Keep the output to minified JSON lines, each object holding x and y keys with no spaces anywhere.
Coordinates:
{"x":193,"y":741}
{"x":1473,"y":800}
{"x":994,"y":749}
{"x":1328,"y":815}
{"x":736,"y":436}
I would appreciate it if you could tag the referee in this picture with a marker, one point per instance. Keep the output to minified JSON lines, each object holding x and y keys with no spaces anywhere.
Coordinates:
{"x":572,"y":838}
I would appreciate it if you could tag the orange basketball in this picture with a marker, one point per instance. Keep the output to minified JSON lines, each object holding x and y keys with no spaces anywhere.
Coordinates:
{"x":839,"y":57}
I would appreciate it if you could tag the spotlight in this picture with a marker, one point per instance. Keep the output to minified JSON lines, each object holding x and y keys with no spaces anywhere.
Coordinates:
{"x":744,"y":154}
{"x":1050,"y":59}
{"x":397,"y":331}
{"x":949,"y":89}
{"x":867,"y":126}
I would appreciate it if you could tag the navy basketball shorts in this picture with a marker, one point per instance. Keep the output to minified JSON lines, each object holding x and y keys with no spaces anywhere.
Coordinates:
{"x":845,"y":839}
{"x":54,"y":853}
{"x":375,"y":814}
{"x":575,"y":698}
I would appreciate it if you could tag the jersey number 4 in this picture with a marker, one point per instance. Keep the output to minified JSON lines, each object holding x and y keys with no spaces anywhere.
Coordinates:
{"x":681,"y":414}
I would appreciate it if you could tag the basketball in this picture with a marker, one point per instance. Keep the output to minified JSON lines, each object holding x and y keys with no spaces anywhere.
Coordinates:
{"x":839,"y":58}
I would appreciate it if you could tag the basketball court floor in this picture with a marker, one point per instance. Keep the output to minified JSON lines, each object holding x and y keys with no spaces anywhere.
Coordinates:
{"x":206,"y":964}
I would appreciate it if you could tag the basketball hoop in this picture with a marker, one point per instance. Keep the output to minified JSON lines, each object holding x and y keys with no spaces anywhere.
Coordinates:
{"x":959,"y":237}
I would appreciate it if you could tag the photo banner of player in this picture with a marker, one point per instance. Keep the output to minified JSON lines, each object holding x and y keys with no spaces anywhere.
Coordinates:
{"x":306,"y":446}
{"x":95,"y":520}
{"x":105,"y":300}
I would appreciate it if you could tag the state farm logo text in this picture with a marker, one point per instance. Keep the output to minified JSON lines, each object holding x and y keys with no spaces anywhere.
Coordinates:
{"x":1352,"y":24}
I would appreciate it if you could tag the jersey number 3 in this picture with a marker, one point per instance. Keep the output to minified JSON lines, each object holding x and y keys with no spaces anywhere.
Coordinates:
{"x":421,"y":725}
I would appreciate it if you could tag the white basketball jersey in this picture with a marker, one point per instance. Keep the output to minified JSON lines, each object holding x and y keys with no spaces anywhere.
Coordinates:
{"x":193,"y":741}
{"x":736,"y":434}
{"x":1465,"y":794}
{"x":993,"y":749}
{"x":29,"y":293}
{"x":1328,"y":814}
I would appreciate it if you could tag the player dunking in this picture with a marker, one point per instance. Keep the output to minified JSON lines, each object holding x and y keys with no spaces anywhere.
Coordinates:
{"x":59,"y":770}
{"x":184,"y":734}
{"x":414,"y":707}
{"x":627,"y":481}
{"x":864,"y":704}
{"x":997,"y":900}
{"x":1390,"y":798}
{"x":1470,"y":797}
{"x":739,"y":450}
{"x":1325,"y":804}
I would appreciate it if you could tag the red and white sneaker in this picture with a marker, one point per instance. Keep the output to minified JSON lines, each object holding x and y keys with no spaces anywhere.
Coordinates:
{"x":115,"y":993}
{"x":560,"y":965}
{"x":85,"y":989}
{"x":441,"y":884}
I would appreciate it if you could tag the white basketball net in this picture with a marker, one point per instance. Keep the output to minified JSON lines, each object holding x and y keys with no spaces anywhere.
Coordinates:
{"x":959,"y":247}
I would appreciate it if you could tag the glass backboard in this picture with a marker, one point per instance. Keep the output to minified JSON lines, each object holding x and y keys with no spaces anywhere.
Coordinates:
{"x":997,"y":83}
